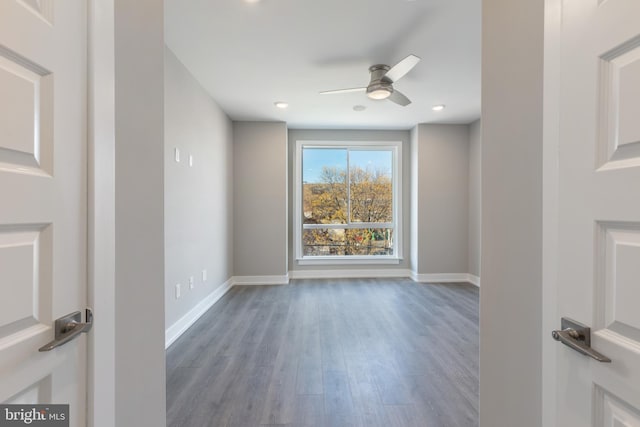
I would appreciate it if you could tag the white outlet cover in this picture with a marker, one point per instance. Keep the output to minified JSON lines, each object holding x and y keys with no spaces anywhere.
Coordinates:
{"x":204,"y":275}
{"x":177,"y":155}
{"x":192,"y":283}
{"x":177,"y":290}
{"x":190,"y":160}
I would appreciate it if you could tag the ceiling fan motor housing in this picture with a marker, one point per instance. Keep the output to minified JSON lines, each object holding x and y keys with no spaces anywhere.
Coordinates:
{"x":379,"y":83}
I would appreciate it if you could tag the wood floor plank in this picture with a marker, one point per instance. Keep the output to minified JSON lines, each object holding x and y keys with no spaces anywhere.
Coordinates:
{"x":338,"y":403}
{"x":248,"y":400}
{"x":365,"y":393}
{"x":394,"y":388}
{"x":330,"y":353}
{"x":402,"y":416}
{"x":281,"y":396}
{"x":309,"y":377}
{"x":309,"y":411}
{"x":330,"y":346}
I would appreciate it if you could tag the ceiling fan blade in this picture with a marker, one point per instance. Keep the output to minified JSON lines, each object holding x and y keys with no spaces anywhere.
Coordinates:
{"x":355,"y":89}
{"x":401,"y":68}
{"x":399,"y":98}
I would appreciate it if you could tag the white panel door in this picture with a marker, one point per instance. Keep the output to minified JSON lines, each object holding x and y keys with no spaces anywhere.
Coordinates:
{"x":599,"y":210}
{"x":43,"y":189}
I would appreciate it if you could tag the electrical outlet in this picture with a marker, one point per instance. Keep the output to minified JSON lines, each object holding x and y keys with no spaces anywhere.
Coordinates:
{"x":192,"y":283}
{"x":190,"y":160}
{"x":178,"y":291}
{"x":176,"y":154}
{"x":204,"y":275}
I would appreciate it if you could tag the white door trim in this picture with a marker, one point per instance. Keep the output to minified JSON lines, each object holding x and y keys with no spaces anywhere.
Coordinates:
{"x":101,"y":373}
{"x":550,"y":206}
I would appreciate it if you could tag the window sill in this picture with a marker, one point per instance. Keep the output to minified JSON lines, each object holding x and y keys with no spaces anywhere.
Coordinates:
{"x":352,"y":260}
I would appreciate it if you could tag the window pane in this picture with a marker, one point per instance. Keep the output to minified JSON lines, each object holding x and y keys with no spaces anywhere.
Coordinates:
{"x":324,"y":186}
{"x":371,"y":190}
{"x":360,"y":241}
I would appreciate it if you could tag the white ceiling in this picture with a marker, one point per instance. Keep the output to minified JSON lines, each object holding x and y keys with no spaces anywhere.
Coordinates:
{"x":247,"y":56}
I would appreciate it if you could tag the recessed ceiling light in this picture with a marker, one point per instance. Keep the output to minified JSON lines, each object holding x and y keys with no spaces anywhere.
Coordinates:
{"x":252,"y":1}
{"x":281,"y":104}
{"x":437,"y":107}
{"x":359,"y":108}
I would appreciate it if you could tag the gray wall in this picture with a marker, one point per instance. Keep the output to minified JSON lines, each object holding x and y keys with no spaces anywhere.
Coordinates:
{"x":475,"y":196}
{"x":442,"y":215}
{"x":414,"y":225}
{"x":260,"y":198}
{"x":199,"y":199}
{"x":139,"y":214}
{"x":419,"y":205}
{"x":352,"y":135}
{"x":511,"y":297}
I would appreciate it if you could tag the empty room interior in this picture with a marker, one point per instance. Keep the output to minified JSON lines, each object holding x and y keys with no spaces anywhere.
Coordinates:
{"x":297,"y":213}
{"x":322,"y":213}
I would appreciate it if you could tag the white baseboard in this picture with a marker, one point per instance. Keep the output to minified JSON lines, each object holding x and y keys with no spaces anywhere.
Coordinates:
{"x":474,"y":280}
{"x":261,"y":280}
{"x":349,"y":274}
{"x":446,"y":278}
{"x":178,"y":328}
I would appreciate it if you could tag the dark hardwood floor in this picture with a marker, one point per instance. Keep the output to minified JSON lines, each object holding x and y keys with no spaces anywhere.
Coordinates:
{"x":330,"y":353}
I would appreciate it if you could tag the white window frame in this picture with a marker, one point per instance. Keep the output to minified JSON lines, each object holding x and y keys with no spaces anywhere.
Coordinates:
{"x":396,"y":149}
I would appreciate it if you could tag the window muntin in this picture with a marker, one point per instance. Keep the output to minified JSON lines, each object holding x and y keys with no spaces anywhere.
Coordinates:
{"x":347,"y":201}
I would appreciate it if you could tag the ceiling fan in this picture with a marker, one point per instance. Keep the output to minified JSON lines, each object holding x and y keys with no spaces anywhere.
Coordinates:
{"x":382,"y":79}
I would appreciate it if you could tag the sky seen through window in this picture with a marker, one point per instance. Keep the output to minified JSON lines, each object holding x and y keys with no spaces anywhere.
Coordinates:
{"x":314,"y":159}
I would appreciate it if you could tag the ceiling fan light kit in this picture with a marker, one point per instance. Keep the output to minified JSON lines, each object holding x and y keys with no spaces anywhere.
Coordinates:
{"x":382,"y":79}
{"x":379,"y":94}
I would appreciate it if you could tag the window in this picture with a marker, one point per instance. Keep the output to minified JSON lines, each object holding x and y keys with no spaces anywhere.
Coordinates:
{"x":347,"y":202}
